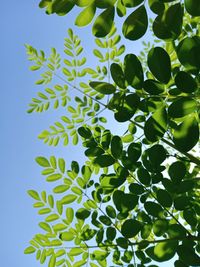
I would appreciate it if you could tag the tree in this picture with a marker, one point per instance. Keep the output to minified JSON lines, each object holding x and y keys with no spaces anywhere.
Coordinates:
{"x":134,"y":199}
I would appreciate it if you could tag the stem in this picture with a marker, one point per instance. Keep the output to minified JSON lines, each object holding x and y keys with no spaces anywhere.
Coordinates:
{"x":194,"y":238}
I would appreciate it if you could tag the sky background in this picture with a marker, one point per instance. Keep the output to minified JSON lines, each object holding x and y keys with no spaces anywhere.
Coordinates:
{"x":23,"y":22}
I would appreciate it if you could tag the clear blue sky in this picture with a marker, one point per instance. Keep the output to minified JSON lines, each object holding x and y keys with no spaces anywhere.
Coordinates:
{"x":23,"y":22}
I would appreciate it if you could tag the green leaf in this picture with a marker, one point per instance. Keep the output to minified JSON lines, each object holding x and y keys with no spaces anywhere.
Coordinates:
{"x":192,"y":7}
{"x":132,"y":3}
{"x":68,"y":199}
{"x":94,"y":151}
{"x":76,"y":251}
{"x":111,"y":233}
{"x":106,"y":138}
{"x":130,"y":105}
{"x":160,"y":227}
{"x":82,"y":214}
{"x":54,"y":177}
{"x":157,"y":154}
{"x":164,"y":251}
{"x":118,"y":75}
{"x":164,"y":198}
{"x":134,"y":151}
{"x":122,"y":242}
{"x":42,"y":161}
{"x":121,"y":9}
{"x":153,"y":209}
{"x":133,"y":71}
{"x":182,"y":107}
{"x":144,"y":176}
{"x":186,"y":134}
{"x":136,"y":24}
{"x":116,"y":147}
{"x":181,"y":202}
{"x":111,"y":212}
{"x":153,"y":87}
{"x":177,"y":171}
{"x":176,"y":231}
{"x":34,"y":194}
{"x":67,"y":236}
{"x":168,"y":24}
{"x":103,"y":87}
{"x":131,"y":228}
{"x":136,"y":189}
{"x":104,"y":161}
{"x":29,"y":250}
{"x":185,"y":82}
{"x":62,"y":7}
{"x":188,"y":255}
{"x":69,"y":214}
{"x":156,"y":6}
{"x":85,"y":16}
{"x":187,"y":52}
{"x":124,"y":202}
{"x":156,"y":126}
{"x":103,"y":23}
{"x":159,"y":64}
{"x":84,"y":132}
{"x":61,"y":164}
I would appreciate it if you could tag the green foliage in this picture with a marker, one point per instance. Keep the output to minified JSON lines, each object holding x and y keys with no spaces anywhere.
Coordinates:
{"x":135,"y":199}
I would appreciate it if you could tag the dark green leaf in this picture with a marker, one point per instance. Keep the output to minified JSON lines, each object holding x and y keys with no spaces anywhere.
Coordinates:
{"x":82,"y":214}
{"x":188,"y":54}
{"x":84,"y":132}
{"x":153,"y":87}
{"x":133,"y":71}
{"x":168,"y":24}
{"x":186,"y":134}
{"x":153,"y":208}
{"x":192,"y":7}
{"x":103,"y":23}
{"x":177,"y":171}
{"x":156,"y":6}
{"x":136,"y":189}
{"x":188,"y":255}
{"x":185,"y":82}
{"x":122,"y":242}
{"x":131,"y":228}
{"x":118,"y":75}
{"x":160,"y":227}
{"x":182,"y":107}
{"x":116,"y":146}
{"x":164,"y":198}
{"x":144,"y":176}
{"x":111,"y":233}
{"x":134,"y":151}
{"x":104,"y":161}
{"x":181,"y":202}
{"x":136,"y":24}
{"x":159,"y":64}
{"x":156,"y":126}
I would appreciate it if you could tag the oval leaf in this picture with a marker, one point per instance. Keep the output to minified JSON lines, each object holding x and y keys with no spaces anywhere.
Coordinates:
{"x":103,"y":87}
{"x":136,"y":24}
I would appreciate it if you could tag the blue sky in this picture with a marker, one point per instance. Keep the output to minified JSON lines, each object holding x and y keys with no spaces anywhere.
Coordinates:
{"x":23,"y":22}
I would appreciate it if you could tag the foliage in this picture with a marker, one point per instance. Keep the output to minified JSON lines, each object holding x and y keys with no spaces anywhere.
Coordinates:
{"x":136,"y":198}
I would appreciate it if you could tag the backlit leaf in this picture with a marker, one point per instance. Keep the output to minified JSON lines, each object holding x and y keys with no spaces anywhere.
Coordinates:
{"x":136,"y":24}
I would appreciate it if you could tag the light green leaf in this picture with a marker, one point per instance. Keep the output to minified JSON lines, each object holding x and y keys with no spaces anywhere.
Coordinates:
{"x":103,"y":87}
{"x":86,"y":16}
